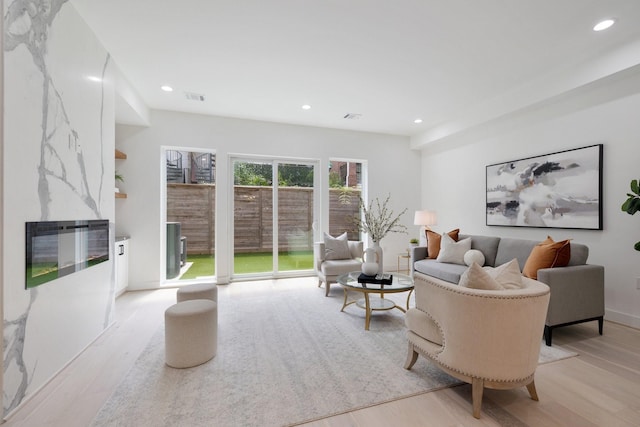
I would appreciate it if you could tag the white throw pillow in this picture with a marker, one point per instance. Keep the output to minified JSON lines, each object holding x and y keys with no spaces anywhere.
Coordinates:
{"x":452,"y":251}
{"x":472,"y":256}
{"x":477,"y":278}
{"x":336,"y":247}
{"x":507,"y":274}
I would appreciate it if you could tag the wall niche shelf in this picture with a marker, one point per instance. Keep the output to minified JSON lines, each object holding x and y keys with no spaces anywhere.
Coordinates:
{"x":120,"y":156}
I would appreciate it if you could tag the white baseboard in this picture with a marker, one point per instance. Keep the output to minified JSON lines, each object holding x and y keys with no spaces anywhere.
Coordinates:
{"x":623,"y":318}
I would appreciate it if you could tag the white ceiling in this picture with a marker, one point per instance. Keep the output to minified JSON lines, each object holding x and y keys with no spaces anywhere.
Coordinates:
{"x":445,"y":61}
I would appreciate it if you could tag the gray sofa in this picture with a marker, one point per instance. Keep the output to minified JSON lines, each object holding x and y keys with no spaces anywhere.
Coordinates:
{"x":577,"y":290}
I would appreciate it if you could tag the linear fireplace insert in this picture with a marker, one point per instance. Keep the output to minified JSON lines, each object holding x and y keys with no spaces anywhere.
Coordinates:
{"x":60,"y":248}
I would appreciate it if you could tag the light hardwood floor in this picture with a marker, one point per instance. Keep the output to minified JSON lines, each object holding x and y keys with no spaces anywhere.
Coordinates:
{"x":600,"y":387}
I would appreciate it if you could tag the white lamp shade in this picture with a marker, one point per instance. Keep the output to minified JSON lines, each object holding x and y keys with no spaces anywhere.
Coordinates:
{"x":425,"y":218}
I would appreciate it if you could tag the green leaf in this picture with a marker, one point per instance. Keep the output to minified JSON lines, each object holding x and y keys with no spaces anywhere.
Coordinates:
{"x":625,"y":205}
{"x":637,"y":246}
{"x":634,"y":186}
{"x":634,"y":206}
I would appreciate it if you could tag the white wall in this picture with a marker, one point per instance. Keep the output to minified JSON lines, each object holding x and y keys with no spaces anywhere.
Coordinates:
{"x":393,"y":168}
{"x":57,"y":165}
{"x":454,"y":185}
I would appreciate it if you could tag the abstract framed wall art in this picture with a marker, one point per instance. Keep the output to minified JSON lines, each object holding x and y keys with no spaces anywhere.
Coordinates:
{"x":556,"y":190}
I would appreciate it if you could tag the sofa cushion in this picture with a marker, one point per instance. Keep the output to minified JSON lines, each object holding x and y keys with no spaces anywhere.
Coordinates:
{"x":336,"y":247}
{"x":488,"y":245}
{"x":338,"y":267}
{"x":452,"y":251}
{"x":356,"y":248}
{"x":443,"y":271}
{"x":564,"y":254}
{"x":507,"y":275}
{"x":477,"y":278}
{"x":509,"y":249}
{"x":547,"y":254}
{"x":579,"y":254}
{"x":433,"y":242}
{"x":474,"y":255}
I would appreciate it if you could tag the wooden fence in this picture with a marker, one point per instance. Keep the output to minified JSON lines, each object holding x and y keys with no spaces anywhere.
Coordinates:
{"x":193,"y":207}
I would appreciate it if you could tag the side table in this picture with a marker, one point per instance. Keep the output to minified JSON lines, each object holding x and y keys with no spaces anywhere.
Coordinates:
{"x":407,"y":259}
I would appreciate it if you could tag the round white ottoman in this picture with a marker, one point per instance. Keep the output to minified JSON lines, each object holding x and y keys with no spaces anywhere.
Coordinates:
{"x":190,"y":333}
{"x":198,"y":291}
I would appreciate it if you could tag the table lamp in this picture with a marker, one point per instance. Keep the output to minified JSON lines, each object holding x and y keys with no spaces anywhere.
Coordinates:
{"x":424,"y":219}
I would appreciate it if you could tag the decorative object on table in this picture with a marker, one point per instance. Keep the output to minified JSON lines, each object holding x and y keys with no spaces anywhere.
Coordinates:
{"x":377,"y":221}
{"x":424,"y":219}
{"x":370,"y":264}
{"x":632,"y":204}
{"x":379,"y":279}
{"x":556,"y":190}
{"x":414,"y":242}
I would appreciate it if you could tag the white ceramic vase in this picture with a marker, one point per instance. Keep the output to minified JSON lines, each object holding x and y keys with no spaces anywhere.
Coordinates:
{"x":370,"y":265}
{"x":378,"y":249}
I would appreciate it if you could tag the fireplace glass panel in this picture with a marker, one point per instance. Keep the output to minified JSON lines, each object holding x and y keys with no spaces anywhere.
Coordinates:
{"x":59,"y":248}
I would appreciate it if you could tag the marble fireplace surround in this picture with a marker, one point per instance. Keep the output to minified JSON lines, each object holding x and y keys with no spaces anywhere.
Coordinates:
{"x":59,"y":124}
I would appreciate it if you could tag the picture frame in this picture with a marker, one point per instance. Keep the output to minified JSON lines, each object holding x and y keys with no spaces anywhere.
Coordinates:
{"x":555,"y":190}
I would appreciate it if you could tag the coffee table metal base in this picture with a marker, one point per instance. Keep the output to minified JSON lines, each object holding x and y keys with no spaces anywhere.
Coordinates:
{"x":375,"y":304}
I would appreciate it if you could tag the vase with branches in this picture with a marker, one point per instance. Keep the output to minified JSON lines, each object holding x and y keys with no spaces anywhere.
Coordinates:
{"x":377,"y":220}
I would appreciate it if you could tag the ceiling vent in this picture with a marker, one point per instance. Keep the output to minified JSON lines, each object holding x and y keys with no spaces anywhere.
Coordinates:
{"x":353,"y":116}
{"x":192,"y":96}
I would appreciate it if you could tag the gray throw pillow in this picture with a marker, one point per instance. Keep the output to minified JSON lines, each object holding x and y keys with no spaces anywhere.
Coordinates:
{"x":336,"y":247}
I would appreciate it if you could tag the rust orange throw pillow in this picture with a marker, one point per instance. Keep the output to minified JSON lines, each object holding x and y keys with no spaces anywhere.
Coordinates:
{"x":547,"y":254}
{"x":433,"y":242}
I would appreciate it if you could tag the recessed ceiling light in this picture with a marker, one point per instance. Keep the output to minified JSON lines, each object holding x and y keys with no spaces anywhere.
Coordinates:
{"x":94,"y":79}
{"x":306,"y":107}
{"x":166,"y":88}
{"x":417,"y":121}
{"x":603,"y":25}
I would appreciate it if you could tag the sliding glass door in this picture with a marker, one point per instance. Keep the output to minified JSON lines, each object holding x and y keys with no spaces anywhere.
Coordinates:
{"x":295,"y":201}
{"x":274,"y":204}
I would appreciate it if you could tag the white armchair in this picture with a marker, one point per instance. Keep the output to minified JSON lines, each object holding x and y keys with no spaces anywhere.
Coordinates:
{"x":328,"y":270}
{"x":488,"y":338}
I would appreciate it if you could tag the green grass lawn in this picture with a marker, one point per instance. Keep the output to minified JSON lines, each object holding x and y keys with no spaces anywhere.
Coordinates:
{"x":204,"y":265}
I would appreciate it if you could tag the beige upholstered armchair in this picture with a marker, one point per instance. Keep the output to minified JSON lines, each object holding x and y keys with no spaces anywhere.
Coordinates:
{"x":330,"y":264}
{"x":488,"y":338}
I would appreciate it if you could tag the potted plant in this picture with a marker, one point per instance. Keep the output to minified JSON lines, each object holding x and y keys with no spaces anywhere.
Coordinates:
{"x":413,"y":242}
{"x":120,"y":178}
{"x":632,"y":204}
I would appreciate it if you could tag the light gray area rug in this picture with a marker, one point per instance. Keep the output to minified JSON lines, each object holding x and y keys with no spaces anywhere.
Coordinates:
{"x":285,"y":356}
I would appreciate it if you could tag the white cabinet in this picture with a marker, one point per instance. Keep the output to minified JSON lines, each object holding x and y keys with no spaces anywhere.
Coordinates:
{"x":122,"y":264}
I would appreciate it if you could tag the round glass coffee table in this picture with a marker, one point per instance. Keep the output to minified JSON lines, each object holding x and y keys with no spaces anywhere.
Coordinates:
{"x":400,"y":283}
